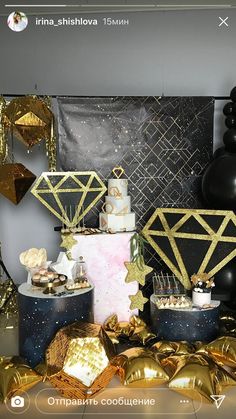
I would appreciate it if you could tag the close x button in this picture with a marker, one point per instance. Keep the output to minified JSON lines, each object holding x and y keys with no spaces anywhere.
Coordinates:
{"x":224,"y":21}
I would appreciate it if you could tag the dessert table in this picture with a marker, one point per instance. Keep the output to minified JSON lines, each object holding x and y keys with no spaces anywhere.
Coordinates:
{"x":189,"y":324}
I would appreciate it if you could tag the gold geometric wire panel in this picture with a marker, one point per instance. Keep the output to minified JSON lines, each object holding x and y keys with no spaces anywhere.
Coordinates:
{"x":69,"y":195}
{"x":192,"y":241}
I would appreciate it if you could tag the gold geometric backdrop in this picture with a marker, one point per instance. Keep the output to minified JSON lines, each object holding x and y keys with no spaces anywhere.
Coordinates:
{"x":69,"y":195}
{"x":192,"y":241}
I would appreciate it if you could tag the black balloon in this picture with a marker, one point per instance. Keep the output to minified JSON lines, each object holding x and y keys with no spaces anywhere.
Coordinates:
{"x":225,"y":279}
{"x":234,"y":109}
{"x":219,"y":182}
{"x":230,"y":121}
{"x":230,"y":140}
{"x":233,"y":94}
{"x":231,"y":304}
{"x":228,"y":109}
{"x":219,"y":152}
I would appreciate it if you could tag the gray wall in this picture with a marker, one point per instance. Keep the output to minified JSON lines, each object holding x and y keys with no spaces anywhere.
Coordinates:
{"x":175,"y":53}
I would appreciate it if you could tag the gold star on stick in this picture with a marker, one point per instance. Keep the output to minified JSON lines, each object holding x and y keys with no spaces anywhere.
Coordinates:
{"x":135,"y":273}
{"x":68,"y":241}
{"x":137,"y":301}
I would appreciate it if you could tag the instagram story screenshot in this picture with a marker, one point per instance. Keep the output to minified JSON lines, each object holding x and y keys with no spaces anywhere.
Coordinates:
{"x":118,"y":209}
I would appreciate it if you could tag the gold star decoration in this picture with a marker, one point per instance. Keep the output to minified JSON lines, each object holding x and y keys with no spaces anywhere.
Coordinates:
{"x":135,"y":273}
{"x":68,"y":241}
{"x":137,"y":301}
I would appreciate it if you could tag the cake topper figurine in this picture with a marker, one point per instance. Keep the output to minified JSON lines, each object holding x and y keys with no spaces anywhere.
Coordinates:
{"x":118,"y":172}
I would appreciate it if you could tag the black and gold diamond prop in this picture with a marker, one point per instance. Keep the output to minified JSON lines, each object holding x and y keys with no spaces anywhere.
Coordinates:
{"x":69,"y":195}
{"x":192,"y":241}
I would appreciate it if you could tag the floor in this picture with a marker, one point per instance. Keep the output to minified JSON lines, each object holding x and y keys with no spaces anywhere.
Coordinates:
{"x":44,"y":401}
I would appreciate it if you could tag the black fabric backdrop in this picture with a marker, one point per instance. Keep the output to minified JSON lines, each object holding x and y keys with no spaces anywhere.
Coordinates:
{"x":164,"y":145}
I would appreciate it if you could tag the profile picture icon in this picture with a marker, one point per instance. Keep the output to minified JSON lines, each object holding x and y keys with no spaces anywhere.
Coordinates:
{"x":17,"y":21}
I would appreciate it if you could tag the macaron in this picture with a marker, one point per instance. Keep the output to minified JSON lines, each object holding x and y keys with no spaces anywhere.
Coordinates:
{"x":44,"y":279}
{"x":43,"y":271}
{"x":56,"y":281}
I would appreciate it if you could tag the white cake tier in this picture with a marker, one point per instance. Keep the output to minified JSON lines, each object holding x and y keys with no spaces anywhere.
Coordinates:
{"x":115,"y":205}
{"x":117,"y":187}
{"x":117,"y":223}
{"x":201,"y":298}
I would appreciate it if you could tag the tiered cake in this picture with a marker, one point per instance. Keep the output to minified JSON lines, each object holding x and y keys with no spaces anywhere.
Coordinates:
{"x":117,"y":215}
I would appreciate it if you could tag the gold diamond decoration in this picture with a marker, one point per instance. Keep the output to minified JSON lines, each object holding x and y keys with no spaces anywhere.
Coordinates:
{"x":76,"y":191}
{"x":118,"y":172}
{"x":192,"y":241}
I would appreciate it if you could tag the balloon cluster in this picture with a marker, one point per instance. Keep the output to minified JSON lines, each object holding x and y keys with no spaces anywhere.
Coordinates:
{"x":219,"y":179}
{"x":219,"y":191}
{"x":230,"y":110}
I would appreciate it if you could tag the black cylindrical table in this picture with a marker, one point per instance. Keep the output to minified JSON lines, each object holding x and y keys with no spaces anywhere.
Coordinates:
{"x":41,"y":316}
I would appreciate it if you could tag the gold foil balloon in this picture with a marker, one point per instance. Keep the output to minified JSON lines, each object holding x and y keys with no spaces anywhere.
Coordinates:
{"x":164,"y":347}
{"x":223,"y":351}
{"x":118,"y":328}
{"x":111,"y":322}
{"x":124,"y":329}
{"x":142,"y":334}
{"x":168,"y":347}
{"x":222,"y":379}
{"x":198,"y":344}
{"x":173,"y":363}
{"x":184,"y":348}
{"x":15,"y":377}
{"x":136,"y":321}
{"x":138,"y":367}
{"x":136,"y":329}
{"x":78,"y":360}
{"x":15,"y":181}
{"x":194,"y":379}
{"x":202,"y":350}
